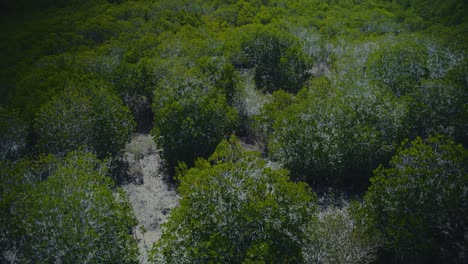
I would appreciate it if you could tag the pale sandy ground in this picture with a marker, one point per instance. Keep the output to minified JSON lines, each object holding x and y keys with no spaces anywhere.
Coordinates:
{"x":152,"y":199}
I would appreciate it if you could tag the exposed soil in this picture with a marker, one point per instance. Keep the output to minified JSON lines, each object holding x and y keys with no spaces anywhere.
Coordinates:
{"x":151,"y":197}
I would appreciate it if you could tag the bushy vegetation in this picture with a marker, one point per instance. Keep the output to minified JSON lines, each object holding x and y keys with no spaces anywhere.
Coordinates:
{"x":326,"y":91}
{"x":13,"y":135}
{"x":338,"y":238}
{"x":93,"y":119}
{"x":56,"y":211}
{"x":334,"y":136}
{"x":419,"y":202}
{"x":236,"y":208}
{"x":190,"y":120}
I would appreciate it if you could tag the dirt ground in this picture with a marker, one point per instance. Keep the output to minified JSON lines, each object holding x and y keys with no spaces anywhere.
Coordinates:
{"x":151,"y":197}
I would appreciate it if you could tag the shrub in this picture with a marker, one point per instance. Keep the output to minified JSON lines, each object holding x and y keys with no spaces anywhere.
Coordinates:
{"x":236,"y":208}
{"x":190,"y":119}
{"x":335,"y":137}
{"x":94,"y":119}
{"x":278,"y":59}
{"x":13,"y":135}
{"x":71,"y":216}
{"x":419,"y":202}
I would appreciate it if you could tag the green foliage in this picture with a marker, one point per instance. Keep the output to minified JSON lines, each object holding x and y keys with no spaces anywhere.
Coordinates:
{"x":446,"y":12}
{"x":35,"y":87}
{"x":236,"y":208}
{"x":429,"y":78}
{"x":376,"y":20}
{"x":134,"y":82}
{"x":71,"y":216}
{"x":190,"y":119}
{"x":278,"y":59}
{"x":337,"y":238}
{"x":92,"y":118}
{"x":226,"y":13}
{"x":419,"y":202}
{"x":218,"y":73}
{"x":400,"y":67}
{"x":174,"y":20}
{"x":279,"y":101}
{"x":98,"y":29}
{"x":13,"y":135}
{"x":437,"y":108}
{"x":374,"y":72}
{"x":262,"y":123}
{"x":337,"y":138}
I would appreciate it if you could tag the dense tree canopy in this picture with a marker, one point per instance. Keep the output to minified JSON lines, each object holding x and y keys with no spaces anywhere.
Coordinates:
{"x":325,"y":89}
{"x":57,"y":211}
{"x":332,"y":136}
{"x":235,"y":208}
{"x":13,"y":135}
{"x":419,"y":202}
{"x":94,"y":119}
{"x":401,"y":67}
{"x":190,"y":119}
{"x":277,"y":59}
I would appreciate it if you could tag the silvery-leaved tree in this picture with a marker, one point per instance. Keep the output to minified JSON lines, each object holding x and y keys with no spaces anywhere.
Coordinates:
{"x":235,"y":208}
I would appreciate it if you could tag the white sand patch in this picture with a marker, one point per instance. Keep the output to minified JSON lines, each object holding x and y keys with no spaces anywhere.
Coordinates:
{"x":152,"y":199}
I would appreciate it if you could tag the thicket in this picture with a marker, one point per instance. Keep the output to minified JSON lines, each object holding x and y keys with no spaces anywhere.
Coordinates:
{"x":64,"y":210}
{"x":190,"y":118}
{"x":87,"y":118}
{"x":235,"y":208}
{"x":419,"y":202}
{"x":326,"y":90}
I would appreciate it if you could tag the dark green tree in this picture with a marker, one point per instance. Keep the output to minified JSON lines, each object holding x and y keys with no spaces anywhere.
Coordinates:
{"x":333,"y":137}
{"x":92,"y":118}
{"x":190,"y":119}
{"x":278,"y":60}
{"x":419,"y":203}
{"x":70,"y":216}
{"x":13,"y":135}
{"x":135,"y":82}
{"x":438,"y":107}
